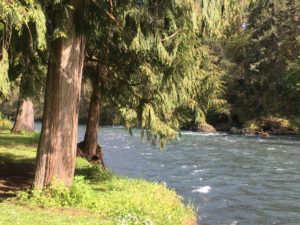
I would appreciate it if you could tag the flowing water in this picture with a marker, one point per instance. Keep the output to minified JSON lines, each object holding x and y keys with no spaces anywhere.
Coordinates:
{"x":228,"y":179}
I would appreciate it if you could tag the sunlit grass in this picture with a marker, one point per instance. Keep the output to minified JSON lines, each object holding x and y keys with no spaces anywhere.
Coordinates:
{"x":97,"y":196}
{"x":17,"y":215}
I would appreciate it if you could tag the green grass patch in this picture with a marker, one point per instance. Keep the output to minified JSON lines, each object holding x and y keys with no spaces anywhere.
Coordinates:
{"x":97,"y":196}
{"x":5,"y":122}
{"x":17,"y":215}
{"x":21,"y":142}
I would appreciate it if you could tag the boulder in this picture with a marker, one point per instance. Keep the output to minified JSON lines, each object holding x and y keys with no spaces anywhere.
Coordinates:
{"x":248,"y":131}
{"x":235,"y":131}
{"x":205,"y":128}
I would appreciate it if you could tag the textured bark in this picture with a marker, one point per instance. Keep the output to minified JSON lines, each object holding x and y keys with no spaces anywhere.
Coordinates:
{"x":89,"y":148}
{"x":24,"y":117}
{"x":58,"y":143}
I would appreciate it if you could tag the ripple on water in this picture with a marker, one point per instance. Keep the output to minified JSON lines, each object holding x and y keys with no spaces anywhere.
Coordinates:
{"x":255,"y":180}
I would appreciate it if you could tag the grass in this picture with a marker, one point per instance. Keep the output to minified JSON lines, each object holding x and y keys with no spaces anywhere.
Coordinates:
{"x":12,"y":214}
{"x":96,"y":196}
{"x":5,"y":122}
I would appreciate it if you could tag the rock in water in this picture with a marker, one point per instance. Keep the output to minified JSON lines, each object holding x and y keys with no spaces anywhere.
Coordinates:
{"x":235,"y":131}
{"x":206,"y":128}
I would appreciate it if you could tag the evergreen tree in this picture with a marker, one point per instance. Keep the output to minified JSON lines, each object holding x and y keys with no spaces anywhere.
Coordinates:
{"x":263,"y":54}
{"x":58,"y":141}
{"x":26,"y":67}
{"x":15,"y":18}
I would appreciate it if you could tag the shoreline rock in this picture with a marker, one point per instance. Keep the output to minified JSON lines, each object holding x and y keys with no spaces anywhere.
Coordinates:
{"x":266,"y":126}
{"x":204,"y":128}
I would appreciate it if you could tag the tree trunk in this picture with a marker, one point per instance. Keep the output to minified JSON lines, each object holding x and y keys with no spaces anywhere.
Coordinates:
{"x":58,"y":143}
{"x":25,"y":116}
{"x":89,"y":148}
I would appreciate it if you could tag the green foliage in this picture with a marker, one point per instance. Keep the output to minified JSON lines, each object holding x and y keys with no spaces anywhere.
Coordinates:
{"x":16,"y":14}
{"x":163,"y":73}
{"x":23,"y":35}
{"x":295,"y":123}
{"x":57,"y":194}
{"x":129,"y":117}
{"x":18,"y":143}
{"x":263,"y":79}
{"x":274,"y":125}
{"x":33,"y":136}
{"x":122,"y":200}
{"x":94,"y":173}
{"x":96,"y":197}
{"x":291,"y":87}
{"x":4,"y":81}
{"x":5,"y":122}
{"x":12,"y":214}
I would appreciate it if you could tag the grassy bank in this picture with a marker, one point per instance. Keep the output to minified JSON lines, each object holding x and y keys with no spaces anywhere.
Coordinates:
{"x":96,"y":197}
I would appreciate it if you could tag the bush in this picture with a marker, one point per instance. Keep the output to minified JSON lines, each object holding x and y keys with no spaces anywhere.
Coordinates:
{"x":274,"y":125}
{"x":80,"y":194}
{"x":5,"y":122}
{"x":94,"y":173}
{"x":119,"y":200}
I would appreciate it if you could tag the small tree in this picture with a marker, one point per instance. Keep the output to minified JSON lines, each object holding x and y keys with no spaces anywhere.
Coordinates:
{"x":27,"y":68}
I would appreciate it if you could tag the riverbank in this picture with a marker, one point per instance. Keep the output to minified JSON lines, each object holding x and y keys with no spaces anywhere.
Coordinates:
{"x":96,"y":197}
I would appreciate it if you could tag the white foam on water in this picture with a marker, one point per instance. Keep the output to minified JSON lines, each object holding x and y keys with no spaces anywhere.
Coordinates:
{"x":146,"y":153}
{"x":201,"y":134}
{"x":209,"y":148}
{"x":183,"y":166}
{"x":198,"y":171}
{"x":204,"y":189}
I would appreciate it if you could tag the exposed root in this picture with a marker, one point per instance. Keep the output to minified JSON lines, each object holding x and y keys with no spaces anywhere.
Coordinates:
{"x":96,"y":158}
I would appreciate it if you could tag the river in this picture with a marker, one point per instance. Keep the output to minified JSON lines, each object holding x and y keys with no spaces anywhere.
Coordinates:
{"x":228,"y":179}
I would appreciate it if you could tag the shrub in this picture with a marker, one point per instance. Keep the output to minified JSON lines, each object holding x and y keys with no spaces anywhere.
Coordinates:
{"x":94,"y":173}
{"x":5,"y":122}
{"x":80,"y":194}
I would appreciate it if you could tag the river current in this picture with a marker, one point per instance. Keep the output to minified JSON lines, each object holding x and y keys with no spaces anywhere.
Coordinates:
{"x":228,"y":179}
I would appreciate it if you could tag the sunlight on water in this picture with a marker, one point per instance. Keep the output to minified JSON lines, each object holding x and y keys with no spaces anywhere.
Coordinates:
{"x":228,"y":179}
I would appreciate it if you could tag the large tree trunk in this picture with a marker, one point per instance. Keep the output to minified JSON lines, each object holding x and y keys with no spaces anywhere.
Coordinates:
{"x":89,"y":148}
{"x":58,"y":143}
{"x":25,"y":116}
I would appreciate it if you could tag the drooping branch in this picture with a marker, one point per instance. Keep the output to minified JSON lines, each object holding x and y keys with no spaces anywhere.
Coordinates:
{"x":171,"y":36}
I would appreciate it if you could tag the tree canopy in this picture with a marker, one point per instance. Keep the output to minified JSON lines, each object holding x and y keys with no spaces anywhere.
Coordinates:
{"x":163,"y":64}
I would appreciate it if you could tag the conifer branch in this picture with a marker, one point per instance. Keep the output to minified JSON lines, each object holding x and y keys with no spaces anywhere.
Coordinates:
{"x":113,"y":18}
{"x":171,"y":36}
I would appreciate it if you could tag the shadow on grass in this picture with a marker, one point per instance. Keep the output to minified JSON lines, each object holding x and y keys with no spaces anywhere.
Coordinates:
{"x":8,"y":140}
{"x":16,"y":173}
{"x":94,"y":173}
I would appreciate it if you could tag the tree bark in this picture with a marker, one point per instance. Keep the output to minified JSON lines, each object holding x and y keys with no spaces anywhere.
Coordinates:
{"x":89,"y":147}
{"x":58,"y":143}
{"x":25,"y":116}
